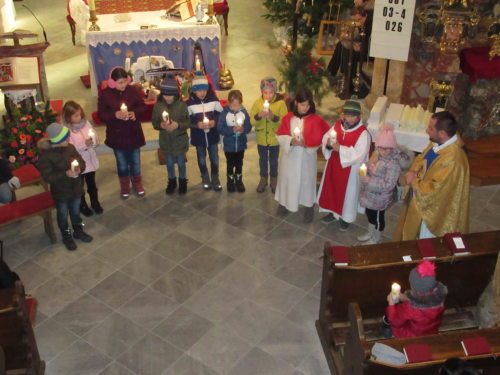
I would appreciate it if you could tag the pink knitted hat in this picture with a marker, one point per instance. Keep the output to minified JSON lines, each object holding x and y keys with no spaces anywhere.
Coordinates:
{"x":385,"y":137}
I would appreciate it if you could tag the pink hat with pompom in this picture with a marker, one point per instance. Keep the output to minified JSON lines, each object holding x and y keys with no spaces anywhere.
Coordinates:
{"x":385,"y":137}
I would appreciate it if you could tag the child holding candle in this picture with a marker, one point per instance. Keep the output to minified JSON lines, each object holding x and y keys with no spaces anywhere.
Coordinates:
{"x":84,"y":138}
{"x":418,"y":311}
{"x":120,"y":106}
{"x":60,"y":165}
{"x":234,"y":125}
{"x":266,"y":115}
{"x":204,"y":108}
{"x":171,"y":119}
{"x":299,"y":136}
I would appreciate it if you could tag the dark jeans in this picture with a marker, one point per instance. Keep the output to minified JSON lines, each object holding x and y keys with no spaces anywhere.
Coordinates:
{"x":234,"y":162}
{"x":89,"y":180}
{"x":128,"y":162}
{"x":213,"y":154}
{"x":268,"y":155}
{"x":65,"y":207}
{"x":181,"y":163}
{"x":376,"y":218}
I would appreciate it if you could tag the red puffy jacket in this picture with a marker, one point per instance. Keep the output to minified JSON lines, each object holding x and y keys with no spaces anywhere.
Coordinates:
{"x":409,"y":321}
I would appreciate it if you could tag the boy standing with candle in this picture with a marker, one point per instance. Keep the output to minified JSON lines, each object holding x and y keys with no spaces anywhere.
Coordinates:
{"x":340,"y":185}
{"x":58,"y":167}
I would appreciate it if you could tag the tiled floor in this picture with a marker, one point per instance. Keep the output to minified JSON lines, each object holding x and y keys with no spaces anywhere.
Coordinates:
{"x":208,"y":283}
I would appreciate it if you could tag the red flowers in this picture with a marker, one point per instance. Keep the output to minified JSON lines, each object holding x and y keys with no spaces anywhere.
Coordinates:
{"x":14,"y":144}
{"x":30,"y":154}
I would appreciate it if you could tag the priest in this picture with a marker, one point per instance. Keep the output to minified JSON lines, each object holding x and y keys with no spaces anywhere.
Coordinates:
{"x":438,"y":199}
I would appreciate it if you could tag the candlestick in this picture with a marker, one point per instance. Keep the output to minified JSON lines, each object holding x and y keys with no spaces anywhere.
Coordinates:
{"x":205,"y":122}
{"x":297,"y":132}
{"x":75,"y":165}
{"x":92,"y":136}
{"x":362,"y":170}
{"x":395,"y":291}
{"x":197,"y":64}
{"x":210,"y":13}
{"x":266,"y":106}
{"x":165,"y":116}
{"x":333,"y":136}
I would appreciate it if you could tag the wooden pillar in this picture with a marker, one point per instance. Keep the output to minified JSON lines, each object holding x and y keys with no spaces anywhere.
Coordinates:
{"x":395,"y":81}
{"x":378,"y":79}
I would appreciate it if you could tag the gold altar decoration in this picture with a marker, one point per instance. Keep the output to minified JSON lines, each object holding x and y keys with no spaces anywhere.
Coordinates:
{"x":440,"y":91}
{"x":456,"y":17}
{"x":226,"y":81}
{"x":494,"y":36}
{"x":210,"y":13}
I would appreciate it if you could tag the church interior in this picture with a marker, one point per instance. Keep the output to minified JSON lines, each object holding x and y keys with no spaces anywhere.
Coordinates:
{"x":216,"y":282}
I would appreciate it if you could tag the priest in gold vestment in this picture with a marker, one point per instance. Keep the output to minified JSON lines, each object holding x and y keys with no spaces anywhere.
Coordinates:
{"x":438,"y":198}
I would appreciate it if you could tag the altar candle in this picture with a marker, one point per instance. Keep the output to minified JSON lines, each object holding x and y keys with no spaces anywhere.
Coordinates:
{"x":92,"y":136}
{"x":266,"y":106}
{"x":333,"y":136}
{"x":205,"y":122}
{"x":127,"y":64}
{"x":165,"y":116}
{"x":362,"y":170}
{"x":74,"y":165}
{"x":197,"y":64}
{"x":91,"y":4}
{"x":297,"y":132}
{"x":395,"y":291}
{"x":124,"y":108}
{"x":210,"y":2}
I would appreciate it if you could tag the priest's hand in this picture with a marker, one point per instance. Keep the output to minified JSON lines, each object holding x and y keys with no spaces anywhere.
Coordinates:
{"x":410,"y":177}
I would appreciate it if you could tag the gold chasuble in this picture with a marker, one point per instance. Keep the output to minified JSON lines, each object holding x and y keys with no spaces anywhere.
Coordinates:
{"x":440,"y":194}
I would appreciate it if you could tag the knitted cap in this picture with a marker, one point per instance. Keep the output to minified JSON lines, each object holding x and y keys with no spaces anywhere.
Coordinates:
{"x":423,"y":277}
{"x":57,"y":133}
{"x":352,"y":107}
{"x":385,"y":137}
{"x":269,"y":83}
{"x":199,"y":82}
{"x":169,"y":86}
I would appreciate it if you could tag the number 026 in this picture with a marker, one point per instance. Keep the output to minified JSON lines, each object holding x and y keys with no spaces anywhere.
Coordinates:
{"x":394,"y":26}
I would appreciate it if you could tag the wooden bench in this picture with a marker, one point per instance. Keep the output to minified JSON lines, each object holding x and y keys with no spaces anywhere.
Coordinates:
{"x":373,"y":268}
{"x":17,"y":340}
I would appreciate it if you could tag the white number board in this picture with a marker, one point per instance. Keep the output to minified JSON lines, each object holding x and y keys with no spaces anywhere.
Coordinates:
{"x":391,"y":30}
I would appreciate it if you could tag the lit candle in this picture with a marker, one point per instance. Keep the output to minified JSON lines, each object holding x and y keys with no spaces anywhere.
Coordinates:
{"x":124,"y":108}
{"x":165,"y":116}
{"x":205,"y":122}
{"x":74,"y":165}
{"x":91,"y":4}
{"x":239,"y":122}
{"x":92,"y":136}
{"x":197,"y":64}
{"x":333,"y":136}
{"x":266,"y":106}
{"x":362,"y":170}
{"x":297,"y":132}
{"x":210,"y":2}
{"x":127,"y":64}
{"x":395,"y":291}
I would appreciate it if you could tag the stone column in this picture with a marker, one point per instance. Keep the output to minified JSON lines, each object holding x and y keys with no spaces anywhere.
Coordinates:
{"x":395,"y":81}
{"x":378,"y":79}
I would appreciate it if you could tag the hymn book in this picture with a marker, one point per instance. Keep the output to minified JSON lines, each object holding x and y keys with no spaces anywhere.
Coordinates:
{"x":476,"y":346}
{"x":417,"y":353}
{"x":426,"y":248}
{"x":340,"y":255}
{"x":456,"y":243}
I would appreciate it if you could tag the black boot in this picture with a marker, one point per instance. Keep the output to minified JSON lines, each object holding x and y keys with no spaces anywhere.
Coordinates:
{"x":239,"y":183}
{"x":94,"y":201}
{"x":67,"y":240}
{"x":80,"y":234}
{"x":183,"y":186}
{"x":231,"y":187}
{"x":171,"y":186}
{"x":84,"y":208}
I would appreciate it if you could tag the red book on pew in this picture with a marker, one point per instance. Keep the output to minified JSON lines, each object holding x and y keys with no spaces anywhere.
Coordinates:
{"x":340,"y":255}
{"x":417,"y":353}
{"x":426,"y":248}
{"x":476,"y":346}
{"x":456,"y":243}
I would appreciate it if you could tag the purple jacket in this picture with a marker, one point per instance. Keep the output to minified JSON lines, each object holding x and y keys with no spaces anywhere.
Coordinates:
{"x":120,"y":134}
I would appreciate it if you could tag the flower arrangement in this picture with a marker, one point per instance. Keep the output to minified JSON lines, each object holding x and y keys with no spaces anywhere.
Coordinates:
{"x":21,"y":133}
{"x":300,"y":69}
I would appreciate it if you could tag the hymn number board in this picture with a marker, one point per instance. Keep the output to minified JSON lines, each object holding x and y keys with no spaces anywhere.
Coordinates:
{"x":391,"y":30}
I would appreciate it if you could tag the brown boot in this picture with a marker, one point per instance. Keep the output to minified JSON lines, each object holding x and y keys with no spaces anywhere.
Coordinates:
{"x":137,"y":185}
{"x":261,"y":187}
{"x":273,"y":183}
{"x":124,"y":187}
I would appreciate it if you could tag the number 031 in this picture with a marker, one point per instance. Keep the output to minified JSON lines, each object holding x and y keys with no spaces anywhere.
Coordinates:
{"x":394,"y":26}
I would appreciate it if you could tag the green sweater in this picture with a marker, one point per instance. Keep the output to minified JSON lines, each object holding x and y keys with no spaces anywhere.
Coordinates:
{"x":265,"y":129}
{"x":175,"y":142}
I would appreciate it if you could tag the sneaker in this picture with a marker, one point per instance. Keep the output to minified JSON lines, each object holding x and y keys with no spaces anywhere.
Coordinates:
{"x":327,"y":219}
{"x":344,"y":226}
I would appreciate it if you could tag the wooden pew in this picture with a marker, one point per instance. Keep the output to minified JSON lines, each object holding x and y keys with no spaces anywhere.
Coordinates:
{"x":373,"y":268}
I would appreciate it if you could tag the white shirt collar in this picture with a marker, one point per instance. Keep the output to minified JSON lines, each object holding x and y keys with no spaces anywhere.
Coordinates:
{"x":450,"y":141}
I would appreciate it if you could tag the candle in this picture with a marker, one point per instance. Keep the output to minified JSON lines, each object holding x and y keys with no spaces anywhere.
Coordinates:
{"x":239,"y":122}
{"x":205,"y":122}
{"x":91,"y":4}
{"x":266,"y":106}
{"x":333,"y":136}
{"x":127,"y":64}
{"x":395,"y":291}
{"x":362,"y":170}
{"x":197,"y":64}
{"x":165,"y":116}
{"x":297,"y":132}
{"x":92,"y":136}
{"x":74,"y":165}
{"x":124,"y":108}
{"x":210,"y":2}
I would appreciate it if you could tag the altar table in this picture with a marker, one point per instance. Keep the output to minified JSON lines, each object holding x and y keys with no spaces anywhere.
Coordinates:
{"x":170,"y":38}
{"x":415,"y":141}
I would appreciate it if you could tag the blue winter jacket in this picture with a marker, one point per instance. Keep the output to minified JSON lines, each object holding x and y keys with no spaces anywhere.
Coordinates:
{"x":234,"y":142}
{"x":210,"y":108}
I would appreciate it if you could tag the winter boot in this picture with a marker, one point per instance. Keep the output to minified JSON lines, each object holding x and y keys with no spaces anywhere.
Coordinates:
{"x":183,"y":186}
{"x":84,"y":208}
{"x":216,"y":183}
{"x":273,"y":182}
{"x":94,"y":201}
{"x":231,"y":187}
{"x":68,"y":240}
{"x":80,"y":234}
{"x":205,"y":181}
{"x":239,"y":183}
{"x":261,"y":187}
{"x":137,"y":185}
{"x":366,"y":236}
{"x":309,"y":214}
{"x":375,"y":238}
{"x":124,"y":187}
{"x":171,"y":186}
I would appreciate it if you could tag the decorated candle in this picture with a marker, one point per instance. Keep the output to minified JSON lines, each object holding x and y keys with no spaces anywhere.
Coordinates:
{"x":333,"y":136}
{"x":165,"y":116}
{"x":395,"y":291}
{"x":297,"y":132}
{"x":266,"y":105}
{"x":197,"y":64}
{"x":92,"y":136}
{"x":362,"y":170}
{"x":205,"y":122}
{"x":74,"y":165}
{"x":124,"y":108}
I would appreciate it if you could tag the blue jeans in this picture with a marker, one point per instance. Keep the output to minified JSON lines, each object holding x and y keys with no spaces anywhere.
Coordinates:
{"x":181,"y":163}
{"x":71,"y":207}
{"x":128,"y":162}
{"x":5,"y":193}
{"x":213,"y":154}
{"x":268,"y":155}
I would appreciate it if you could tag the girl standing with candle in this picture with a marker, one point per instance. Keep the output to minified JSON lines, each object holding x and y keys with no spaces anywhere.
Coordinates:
{"x":60,"y":165}
{"x":297,"y":170}
{"x":171,"y":119}
{"x":84,"y":138}
{"x":120,"y":106}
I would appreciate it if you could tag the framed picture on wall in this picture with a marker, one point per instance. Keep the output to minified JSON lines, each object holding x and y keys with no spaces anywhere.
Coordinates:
{"x":327,"y":37}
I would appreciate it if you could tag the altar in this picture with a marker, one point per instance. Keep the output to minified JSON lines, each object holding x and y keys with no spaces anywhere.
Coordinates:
{"x":145,"y":34}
